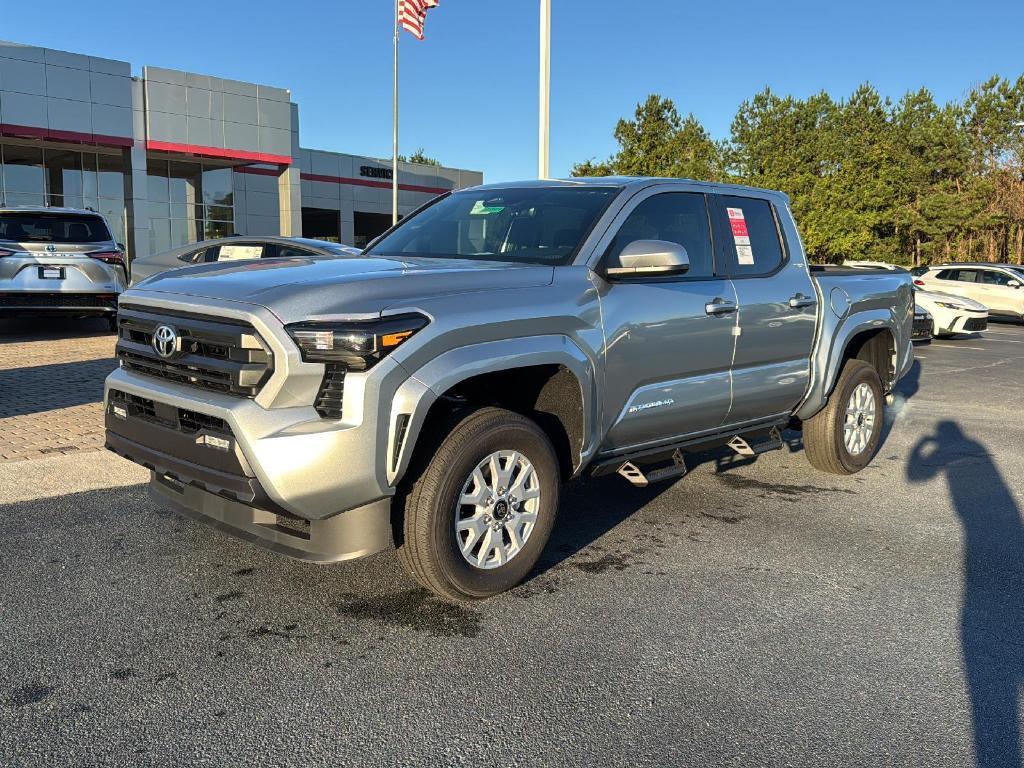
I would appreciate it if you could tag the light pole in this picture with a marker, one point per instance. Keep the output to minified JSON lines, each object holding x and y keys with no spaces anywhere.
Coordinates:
{"x":543,"y":148}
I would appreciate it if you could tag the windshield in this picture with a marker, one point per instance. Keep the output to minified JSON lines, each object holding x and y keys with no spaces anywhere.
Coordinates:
{"x":52,"y":228}
{"x":539,"y":225}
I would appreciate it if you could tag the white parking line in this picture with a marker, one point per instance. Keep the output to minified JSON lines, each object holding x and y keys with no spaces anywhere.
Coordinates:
{"x":957,"y":346}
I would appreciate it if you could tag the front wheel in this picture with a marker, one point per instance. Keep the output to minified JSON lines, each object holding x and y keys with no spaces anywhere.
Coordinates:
{"x":843,"y":437}
{"x":479,"y":511}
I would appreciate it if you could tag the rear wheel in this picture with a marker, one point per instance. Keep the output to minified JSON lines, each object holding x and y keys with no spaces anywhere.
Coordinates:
{"x":481,"y":508}
{"x":843,"y":437}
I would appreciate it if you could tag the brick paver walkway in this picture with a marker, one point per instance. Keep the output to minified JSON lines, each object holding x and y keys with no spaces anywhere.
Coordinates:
{"x":51,"y":387}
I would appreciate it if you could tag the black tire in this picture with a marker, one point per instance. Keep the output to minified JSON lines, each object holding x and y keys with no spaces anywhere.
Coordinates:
{"x":824,"y":432}
{"x":430,"y":551}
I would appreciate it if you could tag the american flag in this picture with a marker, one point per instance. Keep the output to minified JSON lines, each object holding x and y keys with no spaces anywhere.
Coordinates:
{"x":413,"y":13}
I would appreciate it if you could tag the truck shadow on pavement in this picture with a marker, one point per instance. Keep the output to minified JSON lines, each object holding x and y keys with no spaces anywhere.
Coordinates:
{"x":992,"y":613}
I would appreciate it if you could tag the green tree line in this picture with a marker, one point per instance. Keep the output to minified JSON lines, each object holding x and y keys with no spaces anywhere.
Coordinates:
{"x":910,"y":182}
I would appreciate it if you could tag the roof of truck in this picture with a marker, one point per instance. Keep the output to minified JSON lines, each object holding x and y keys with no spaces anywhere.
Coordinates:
{"x":624,"y":181}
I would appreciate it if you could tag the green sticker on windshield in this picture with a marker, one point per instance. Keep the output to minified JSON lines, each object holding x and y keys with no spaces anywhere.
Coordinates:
{"x":480,"y":209}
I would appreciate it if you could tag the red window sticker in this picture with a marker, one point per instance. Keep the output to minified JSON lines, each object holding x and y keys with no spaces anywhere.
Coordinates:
{"x":740,"y":236}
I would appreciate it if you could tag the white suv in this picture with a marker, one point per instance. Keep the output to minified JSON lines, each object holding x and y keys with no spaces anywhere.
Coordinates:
{"x":1000,"y":287}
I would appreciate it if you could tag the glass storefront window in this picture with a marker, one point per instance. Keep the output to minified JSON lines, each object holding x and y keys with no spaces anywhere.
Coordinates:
{"x":110,"y":176}
{"x":218,"y":186}
{"x":159,"y":235}
{"x":188,"y":202}
{"x":64,"y":176}
{"x":23,"y":171}
{"x":219,"y":229}
{"x":158,"y":189}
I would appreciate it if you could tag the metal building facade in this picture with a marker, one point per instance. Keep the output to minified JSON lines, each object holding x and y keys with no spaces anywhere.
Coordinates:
{"x":172,"y":157}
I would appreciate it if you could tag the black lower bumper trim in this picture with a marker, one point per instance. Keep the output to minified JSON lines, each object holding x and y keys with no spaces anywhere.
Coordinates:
{"x":239,"y":488}
{"x":345,"y":536}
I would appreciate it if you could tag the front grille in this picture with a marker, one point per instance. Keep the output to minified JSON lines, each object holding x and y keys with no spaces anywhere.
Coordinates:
{"x":215,"y":354}
{"x":167,"y":416}
{"x":976,"y":324}
{"x":922,"y":328}
{"x":29,"y":300}
{"x":329,"y":399}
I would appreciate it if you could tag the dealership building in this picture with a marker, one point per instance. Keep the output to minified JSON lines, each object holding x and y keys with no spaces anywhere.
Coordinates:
{"x":172,"y":157}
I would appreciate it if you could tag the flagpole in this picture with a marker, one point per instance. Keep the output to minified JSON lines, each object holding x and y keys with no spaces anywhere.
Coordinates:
{"x":394,"y":123}
{"x":543,"y":148}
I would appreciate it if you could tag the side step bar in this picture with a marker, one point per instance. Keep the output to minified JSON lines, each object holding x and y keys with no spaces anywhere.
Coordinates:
{"x":752,"y":444}
{"x":772,"y":441}
{"x":636,"y":476}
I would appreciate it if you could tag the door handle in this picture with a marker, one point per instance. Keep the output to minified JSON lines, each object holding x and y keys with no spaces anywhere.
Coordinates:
{"x":800,"y":301}
{"x":720,"y":306}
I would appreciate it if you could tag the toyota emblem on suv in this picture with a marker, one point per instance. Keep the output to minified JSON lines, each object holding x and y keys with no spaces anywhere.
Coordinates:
{"x":165,"y":341}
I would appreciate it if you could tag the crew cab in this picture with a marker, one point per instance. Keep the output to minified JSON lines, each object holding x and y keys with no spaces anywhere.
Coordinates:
{"x":434,"y":392}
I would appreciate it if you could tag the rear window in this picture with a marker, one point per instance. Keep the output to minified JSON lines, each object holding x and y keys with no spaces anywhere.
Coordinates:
{"x":751,"y":242}
{"x":52,"y":228}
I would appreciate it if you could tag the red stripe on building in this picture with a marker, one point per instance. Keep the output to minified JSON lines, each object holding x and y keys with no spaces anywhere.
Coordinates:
{"x":218,"y":152}
{"x":71,"y":137}
{"x":256,"y":171}
{"x":369,"y":183}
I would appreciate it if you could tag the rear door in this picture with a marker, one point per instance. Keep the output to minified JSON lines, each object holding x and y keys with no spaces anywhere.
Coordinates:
{"x":777,"y":308}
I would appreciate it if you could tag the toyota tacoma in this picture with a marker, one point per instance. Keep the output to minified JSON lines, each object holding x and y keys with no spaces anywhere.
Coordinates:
{"x":434,"y":392}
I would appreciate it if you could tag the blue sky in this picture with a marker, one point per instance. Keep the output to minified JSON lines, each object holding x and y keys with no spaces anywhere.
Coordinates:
{"x":470,"y":89}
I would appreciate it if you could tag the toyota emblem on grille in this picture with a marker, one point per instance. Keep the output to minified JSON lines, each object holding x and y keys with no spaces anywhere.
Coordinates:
{"x":165,"y":341}
{"x":51,"y":248}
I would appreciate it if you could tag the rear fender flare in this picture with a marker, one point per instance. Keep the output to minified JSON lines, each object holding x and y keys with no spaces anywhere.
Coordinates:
{"x":828,"y":359}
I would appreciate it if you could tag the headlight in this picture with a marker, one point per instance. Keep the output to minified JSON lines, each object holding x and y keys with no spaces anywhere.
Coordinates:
{"x":947,"y":305}
{"x":922,"y":314}
{"x":357,"y":345}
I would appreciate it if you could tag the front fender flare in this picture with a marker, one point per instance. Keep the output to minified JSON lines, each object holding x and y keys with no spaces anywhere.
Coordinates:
{"x":414,"y":398}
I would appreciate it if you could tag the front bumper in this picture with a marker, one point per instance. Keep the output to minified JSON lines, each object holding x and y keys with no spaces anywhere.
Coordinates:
{"x":218,"y":487}
{"x":967,"y":324}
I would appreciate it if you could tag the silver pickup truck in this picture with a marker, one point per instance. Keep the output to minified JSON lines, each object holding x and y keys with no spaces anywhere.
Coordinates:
{"x":434,"y":392}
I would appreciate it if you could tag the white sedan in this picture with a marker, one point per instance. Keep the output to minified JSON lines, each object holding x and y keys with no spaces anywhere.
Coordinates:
{"x":952,"y":314}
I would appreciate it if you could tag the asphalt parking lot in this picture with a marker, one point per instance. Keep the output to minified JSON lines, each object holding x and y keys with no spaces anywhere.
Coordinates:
{"x":749,"y":614}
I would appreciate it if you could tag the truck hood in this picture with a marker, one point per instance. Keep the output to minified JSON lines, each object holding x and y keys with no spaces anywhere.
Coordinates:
{"x":297,"y":289}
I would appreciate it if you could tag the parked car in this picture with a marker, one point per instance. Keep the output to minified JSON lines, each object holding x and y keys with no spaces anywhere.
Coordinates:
{"x":436,"y":391}
{"x":951,"y":314}
{"x":924,"y":325}
{"x":235,"y":248}
{"x":999,"y":287}
{"x":59,"y":261}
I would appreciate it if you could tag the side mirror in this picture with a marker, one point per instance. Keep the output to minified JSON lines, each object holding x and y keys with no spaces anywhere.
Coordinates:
{"x":650,"y":258}
{"x":1014,"y":284}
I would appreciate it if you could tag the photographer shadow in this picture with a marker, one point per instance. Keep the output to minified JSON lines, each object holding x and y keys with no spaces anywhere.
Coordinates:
{"x":992,"y":613}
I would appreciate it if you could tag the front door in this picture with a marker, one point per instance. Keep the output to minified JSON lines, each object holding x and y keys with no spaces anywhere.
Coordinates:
{"x":668,"y":340}
{"x":778,"y":311}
